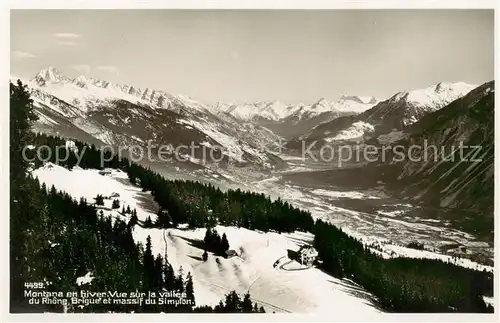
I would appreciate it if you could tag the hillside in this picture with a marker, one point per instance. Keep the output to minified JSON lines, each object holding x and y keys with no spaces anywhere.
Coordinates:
{"x":450,"y":177}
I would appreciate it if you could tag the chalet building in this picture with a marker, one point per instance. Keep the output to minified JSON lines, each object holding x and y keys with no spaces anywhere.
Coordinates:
{"x":307,"y":255}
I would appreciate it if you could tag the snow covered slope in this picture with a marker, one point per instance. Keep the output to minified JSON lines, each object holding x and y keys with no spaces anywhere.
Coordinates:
{"x":261,"y":267}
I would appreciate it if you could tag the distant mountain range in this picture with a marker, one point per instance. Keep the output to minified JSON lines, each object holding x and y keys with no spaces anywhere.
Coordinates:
{"x":85,"y":92}
{"x":277,"y":111}
{"x":386,"y":117}
{"x":104,"y":113}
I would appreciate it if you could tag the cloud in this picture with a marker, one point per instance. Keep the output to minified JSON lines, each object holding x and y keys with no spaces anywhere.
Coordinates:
{"x":108,"y":68}
{"x":66,"y":43}
{"x":22,"y":54}
{"x":82,"y":68}
{"x":66,"y":35}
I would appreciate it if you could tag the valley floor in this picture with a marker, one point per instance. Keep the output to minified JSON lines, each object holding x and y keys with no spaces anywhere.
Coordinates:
{"x":380,"y":220}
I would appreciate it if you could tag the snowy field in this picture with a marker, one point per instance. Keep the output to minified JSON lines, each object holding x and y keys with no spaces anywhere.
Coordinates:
{"x":261,"y":267}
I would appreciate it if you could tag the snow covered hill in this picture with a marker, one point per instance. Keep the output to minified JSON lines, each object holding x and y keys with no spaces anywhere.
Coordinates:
{"x":393,"y":114}
{"x":261,"y":267}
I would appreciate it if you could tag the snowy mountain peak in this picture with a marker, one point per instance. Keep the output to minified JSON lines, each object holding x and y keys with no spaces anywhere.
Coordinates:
{"x":350,"y":98}
{"x":435,"y":96}
{"x":49,"y":75}
{"x":321,"y":101}
{"x":440,"y":86}
{"x":82,"y":81}
{"x":322,"y":105}
{"x":456,"y":87}
{"x":276,"y":106}
{"x":358,"y":99}
{"x":368,"y":99}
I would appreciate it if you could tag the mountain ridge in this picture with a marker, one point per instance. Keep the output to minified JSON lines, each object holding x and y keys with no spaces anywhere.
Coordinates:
{"x":249,"y":111}
{"x":394,"y":114}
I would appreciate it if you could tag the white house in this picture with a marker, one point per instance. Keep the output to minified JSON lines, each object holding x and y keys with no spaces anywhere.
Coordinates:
{"x":307,"y":255}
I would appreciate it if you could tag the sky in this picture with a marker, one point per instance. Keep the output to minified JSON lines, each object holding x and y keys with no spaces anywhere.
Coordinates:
{"x":259,"y":55}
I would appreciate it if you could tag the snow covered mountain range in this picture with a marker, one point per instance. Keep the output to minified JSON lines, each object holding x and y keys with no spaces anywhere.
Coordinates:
{"x":389,"y":116}
{"x":103,"y":113}
{"x":85,"y":93}
{"x":277,"y":111}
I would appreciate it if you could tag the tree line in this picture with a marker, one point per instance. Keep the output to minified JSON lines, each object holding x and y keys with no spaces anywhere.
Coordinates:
{"x":402,"y":284}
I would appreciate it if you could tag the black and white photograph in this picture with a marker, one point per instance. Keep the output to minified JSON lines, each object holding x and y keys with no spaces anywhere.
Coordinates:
{"x":336,"y":162}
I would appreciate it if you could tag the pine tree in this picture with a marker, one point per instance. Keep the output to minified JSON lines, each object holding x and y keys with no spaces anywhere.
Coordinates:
{"x":158,"y":273}
{"x":189,"y":288}
{"x":179,"y":281}
{"x":232,"y":302}
{"x":21,"y":117}
{"x":205,"y":255}
{"x":115,"y":204}
{"x":224,"y":243}
{"x":246,"y":305}
{"x":133,"y":221}
{"x":99,"y":200}
{"x":148,"y":265}
{"x":169,"y":277}
{"x":128,"y":209}
{"x":148,"y":223}
{"x":219,"y":308}
{"x":208,"y":236}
